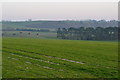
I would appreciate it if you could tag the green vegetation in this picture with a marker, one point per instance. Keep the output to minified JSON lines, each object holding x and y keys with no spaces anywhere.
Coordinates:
{"x":98,"y":33}
{"x":50,"y":58}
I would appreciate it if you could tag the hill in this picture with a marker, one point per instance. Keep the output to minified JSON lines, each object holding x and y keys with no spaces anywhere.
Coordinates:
{"x":59,"y":24}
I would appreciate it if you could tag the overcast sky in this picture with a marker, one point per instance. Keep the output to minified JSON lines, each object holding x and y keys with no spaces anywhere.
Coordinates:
{"x":60,"y":10}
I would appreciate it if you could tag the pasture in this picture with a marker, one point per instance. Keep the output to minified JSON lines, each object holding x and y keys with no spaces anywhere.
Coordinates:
{"x":52,"y":58}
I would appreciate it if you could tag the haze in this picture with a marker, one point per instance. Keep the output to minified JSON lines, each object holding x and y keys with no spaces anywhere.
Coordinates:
{"x":59,"y":10}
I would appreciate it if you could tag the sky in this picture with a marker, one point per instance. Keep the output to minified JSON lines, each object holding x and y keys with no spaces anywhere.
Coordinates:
{"x":59,"y":10}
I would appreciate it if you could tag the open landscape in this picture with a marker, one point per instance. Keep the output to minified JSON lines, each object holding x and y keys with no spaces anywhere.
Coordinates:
{"x":53,"y":53}
{"x":59,"y":40}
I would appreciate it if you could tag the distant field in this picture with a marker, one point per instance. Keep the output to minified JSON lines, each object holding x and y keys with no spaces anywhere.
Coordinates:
{"x":25,"y":34}
{"x":50,"y":58}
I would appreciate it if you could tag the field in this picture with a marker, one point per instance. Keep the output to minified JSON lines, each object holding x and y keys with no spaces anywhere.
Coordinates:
{"x":51,"y":58}
{"x":24,"y":34}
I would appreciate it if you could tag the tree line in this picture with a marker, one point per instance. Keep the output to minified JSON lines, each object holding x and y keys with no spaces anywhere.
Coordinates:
{"x":81,"y":33}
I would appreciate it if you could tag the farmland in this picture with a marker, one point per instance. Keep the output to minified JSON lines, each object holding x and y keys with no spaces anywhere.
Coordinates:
{"x":53,"y":58}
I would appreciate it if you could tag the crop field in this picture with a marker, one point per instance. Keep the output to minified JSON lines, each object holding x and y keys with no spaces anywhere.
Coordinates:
{"x":52,"y":58}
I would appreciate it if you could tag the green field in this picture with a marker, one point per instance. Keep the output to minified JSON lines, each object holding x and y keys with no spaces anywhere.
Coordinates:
{"x":51,"y":58}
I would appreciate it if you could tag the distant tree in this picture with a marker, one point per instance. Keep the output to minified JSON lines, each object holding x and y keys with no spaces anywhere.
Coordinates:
{"x":98,"y":33}
{"x":59,"y":33}
{"x":14,"y":33}
{"x":37,"y":34}
{"x":29,"y":33}
{"x":20,"y":32}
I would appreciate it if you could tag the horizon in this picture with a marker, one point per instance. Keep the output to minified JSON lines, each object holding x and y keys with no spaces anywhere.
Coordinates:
{"x":55,"y":20}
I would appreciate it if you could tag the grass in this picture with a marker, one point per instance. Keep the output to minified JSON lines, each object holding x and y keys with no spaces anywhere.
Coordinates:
{"x":51,"y":58}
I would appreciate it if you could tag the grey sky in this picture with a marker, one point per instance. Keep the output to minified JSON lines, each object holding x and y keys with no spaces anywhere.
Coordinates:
{"x":60,"y":10}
